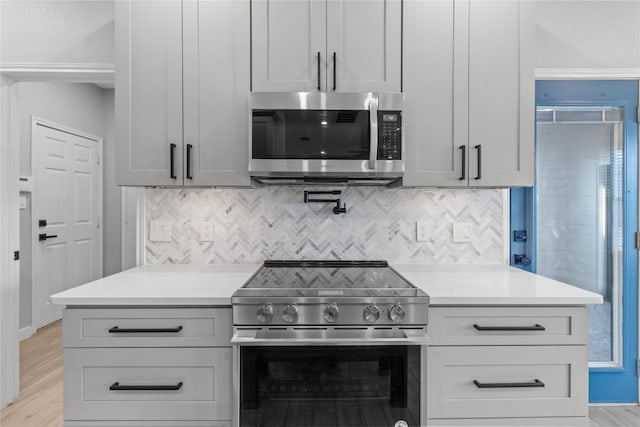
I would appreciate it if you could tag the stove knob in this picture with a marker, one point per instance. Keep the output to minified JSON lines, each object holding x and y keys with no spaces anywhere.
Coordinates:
{"x":331,"y":313}
{"x":396,"y":313}
{"x":290,"y":313}
{"x":371,"y":313}
{"x":265,"y":313}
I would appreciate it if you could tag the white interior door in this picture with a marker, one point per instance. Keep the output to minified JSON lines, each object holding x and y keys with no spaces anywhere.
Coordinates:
{"x":67,"y":195}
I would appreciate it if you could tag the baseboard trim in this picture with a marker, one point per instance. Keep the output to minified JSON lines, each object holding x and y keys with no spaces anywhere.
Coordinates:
{"x":26,"y":332}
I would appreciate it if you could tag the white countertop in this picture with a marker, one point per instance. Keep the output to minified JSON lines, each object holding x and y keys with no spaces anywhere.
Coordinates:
{"x":184,"y":284}
{"x":214,"y":284}
{"x":491,"y":285}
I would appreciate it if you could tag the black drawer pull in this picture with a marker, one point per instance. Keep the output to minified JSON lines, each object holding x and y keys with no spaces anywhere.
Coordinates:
{"x":534,"y":383}
{"x":535,"y":327}
{"x":116,"y":386}
{"x":117,"y":330}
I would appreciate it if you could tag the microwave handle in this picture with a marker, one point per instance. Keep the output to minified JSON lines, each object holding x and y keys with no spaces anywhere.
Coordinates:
{"x":373,"y":129}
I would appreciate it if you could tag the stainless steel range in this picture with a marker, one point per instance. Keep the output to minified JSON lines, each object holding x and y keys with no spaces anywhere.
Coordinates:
{"x":327,"y":342}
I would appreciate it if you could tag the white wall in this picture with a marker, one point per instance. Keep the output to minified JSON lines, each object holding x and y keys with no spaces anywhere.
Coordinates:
{"x":588,"y":34}
{"x":59,"y":32}
{"x":88,"y":108}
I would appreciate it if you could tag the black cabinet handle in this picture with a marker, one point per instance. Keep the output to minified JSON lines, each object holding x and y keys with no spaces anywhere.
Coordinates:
{"x":535,"y":327}
{"x":479,"y":148}
{"x":534,"y":383}
{"x":334,"y":71}
{"x":464,"y":162}
{"x":116,"y":386}
{"x":319,"y":71}
{"x":117,"y":330}
{"x":43,"y":236}
{"x":189,"y":147}
{"x":172,"y":172}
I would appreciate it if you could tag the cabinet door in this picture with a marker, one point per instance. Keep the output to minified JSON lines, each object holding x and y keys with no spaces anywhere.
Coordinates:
{"x":364,"y":45}
{"x":148,"y":92}
{"x":501,"y":92}
{"x":288,"y":37}
{"x":216,"y":92}
{"x":435,"y":83}
{"x":198,"y":384}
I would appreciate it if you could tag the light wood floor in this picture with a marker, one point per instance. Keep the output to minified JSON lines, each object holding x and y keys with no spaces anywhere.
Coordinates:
{"x":40,"y":403}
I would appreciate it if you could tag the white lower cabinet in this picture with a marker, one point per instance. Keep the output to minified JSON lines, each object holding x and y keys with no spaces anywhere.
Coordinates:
{"x":152,"y":372}
{"x":507,"y":366}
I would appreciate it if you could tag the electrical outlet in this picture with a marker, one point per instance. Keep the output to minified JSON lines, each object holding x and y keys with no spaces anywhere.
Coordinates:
{"x":206,"y":232}
{"x":462,"y":232}
{"x":160,"y":231}
{"x":422,"y":231}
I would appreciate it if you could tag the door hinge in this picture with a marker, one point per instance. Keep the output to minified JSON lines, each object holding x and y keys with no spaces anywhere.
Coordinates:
{"x":636,"y":237}
{"x":637,"y":114}
{"x":637,"y":367}
{"x":97,"y":159}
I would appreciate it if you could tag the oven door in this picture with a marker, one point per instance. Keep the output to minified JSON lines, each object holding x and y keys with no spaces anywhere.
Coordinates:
{"x":353,"y":381}
{"x":314,"y":134}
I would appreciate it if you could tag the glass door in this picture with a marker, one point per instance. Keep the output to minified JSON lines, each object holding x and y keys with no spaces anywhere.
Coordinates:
{"x":581,"y":216}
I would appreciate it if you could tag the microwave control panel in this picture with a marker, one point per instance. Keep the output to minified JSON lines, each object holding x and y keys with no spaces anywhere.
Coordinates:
{"x":389,"y":135}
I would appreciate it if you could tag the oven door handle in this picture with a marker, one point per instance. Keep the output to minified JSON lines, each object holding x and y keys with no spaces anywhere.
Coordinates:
{"x":373,"y":132}
{"x":251,"y":338}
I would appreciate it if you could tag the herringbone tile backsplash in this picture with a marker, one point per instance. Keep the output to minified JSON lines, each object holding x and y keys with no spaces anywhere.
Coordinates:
{"x":253,"y":225}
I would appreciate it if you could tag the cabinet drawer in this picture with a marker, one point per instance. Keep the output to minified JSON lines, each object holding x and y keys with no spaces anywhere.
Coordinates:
{"x":553,"y":379}
{"x":508,"y":325}
{"x":147,"y":327}
{"x":198,"y":381}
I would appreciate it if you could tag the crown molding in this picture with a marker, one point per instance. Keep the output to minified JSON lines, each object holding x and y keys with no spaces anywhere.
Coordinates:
{"x":102,"y":75}
{"x":587,"y":73}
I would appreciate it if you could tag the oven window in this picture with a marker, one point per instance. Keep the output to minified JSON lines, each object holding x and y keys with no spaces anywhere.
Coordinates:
{"x":363,"y":386}
{"x":310,"y":134}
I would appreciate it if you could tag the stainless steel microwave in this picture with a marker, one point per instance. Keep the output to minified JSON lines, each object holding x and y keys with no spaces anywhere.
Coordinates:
{"x":304,"y":137}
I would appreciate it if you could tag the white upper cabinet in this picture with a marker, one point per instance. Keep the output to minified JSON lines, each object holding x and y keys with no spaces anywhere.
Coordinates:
{"x":216,"y":92}
{"x":364,"y":45}
{"x":433,"y":156}
{"x":182,"y":91}
{"x":327,"y":45}
{"x":501,"y":92}
{"x":469,"y":84}
{"x":149,"y":92}
{"x":289,"y":45}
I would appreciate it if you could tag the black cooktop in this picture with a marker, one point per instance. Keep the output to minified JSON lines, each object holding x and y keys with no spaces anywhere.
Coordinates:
{"x":327,"y":275}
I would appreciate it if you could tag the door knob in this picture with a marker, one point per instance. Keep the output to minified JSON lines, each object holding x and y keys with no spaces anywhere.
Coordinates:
{"x":43,"y":236}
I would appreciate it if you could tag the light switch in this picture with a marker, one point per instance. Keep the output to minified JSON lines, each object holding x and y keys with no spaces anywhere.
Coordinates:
{"x":462,"y":232}
{"x":159,"y":231}
{"x":422,"y":231}
{"x":206,"y":232}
